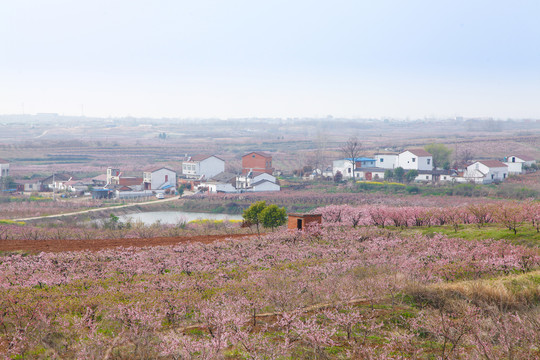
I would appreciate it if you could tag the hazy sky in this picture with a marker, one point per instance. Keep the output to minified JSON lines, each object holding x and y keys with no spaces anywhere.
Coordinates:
{"x":234,"y":58}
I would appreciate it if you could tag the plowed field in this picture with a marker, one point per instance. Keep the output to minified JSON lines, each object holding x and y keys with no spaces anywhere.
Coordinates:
{"x":35,"y":246}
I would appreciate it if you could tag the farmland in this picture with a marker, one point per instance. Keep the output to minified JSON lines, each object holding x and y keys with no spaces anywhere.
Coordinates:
{"x":368,"y":283}
{"x":394,"y":271}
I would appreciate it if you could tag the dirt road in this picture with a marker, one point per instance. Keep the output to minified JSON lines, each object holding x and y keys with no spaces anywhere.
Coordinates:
{"x":36,"y":246}
{"x":98,"y":209}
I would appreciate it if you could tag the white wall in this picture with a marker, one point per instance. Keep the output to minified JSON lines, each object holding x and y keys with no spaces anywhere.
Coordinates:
{"x":480,"y":173}
{"x":158,"y":178}
{"x":265,"y":186}
{"x":211,"y":166}
{"x":221,"y":187}
{"x":424,"y":177}
{"x":4,"y":170}
{"x":344,"y":166}
{"x":190,"y":168}
{"x":408,"y":161}
{"x":386,"y":161}
{"x":514,"y":167}
{"x":361,"y":175}
{"x":517,"y":159}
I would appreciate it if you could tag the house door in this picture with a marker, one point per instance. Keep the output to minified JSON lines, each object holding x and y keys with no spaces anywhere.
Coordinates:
{"x":368,"y":176}
{"x":299,"y":224}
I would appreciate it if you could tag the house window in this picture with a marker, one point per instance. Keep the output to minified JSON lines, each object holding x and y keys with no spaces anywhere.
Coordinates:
{"x":349,"y":170}
{"x":428,"y":161}
{"x":166,"y":178}
{"x":413,"y":159}
{"x":513,"y":159}
{"x":504,"y":176}
{"x":427,"y":177}
{"x":382,"y":160}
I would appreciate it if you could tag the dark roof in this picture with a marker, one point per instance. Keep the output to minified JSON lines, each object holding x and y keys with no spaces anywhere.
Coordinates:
{"x":373,"y":169}
{"x":263,"y":154}
{"x":437,"y":172}
{"x":4,"y":161}
{"x":360,"y":158}
{"x":223,"y":177}
{"x":492,"y":163}
{"x":418,"y":152}
{"x":303,"y":214}
{"x":22,"y":182}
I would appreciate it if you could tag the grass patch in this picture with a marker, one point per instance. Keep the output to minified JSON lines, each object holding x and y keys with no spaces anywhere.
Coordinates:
{"x":510,"y":292}
{"x":526,"y":235}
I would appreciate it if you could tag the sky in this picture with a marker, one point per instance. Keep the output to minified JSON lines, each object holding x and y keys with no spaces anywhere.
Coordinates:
{"x":251,"y":58}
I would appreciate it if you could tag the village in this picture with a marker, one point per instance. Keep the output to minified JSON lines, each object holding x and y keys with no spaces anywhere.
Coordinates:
{"x":204,"y":174}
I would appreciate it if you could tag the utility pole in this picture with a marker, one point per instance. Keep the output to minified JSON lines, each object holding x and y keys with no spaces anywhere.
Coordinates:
{"x":53,"y":188}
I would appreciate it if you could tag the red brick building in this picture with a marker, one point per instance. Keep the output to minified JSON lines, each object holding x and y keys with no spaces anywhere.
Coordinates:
{"x":300,"y":221}
{"x":257,"y":162}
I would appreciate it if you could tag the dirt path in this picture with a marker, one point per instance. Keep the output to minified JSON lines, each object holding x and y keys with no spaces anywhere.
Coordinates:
{"x":36,"y":246}
{"x":98,"y":209}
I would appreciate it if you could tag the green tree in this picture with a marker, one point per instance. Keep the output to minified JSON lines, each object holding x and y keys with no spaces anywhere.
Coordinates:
{"x":251,"y":214}
{"x":411,"y":175}
{"x":273,"y":216}
{"x":399,"y":173}
{"x":441,"y":155}
{"x":388,"y":174}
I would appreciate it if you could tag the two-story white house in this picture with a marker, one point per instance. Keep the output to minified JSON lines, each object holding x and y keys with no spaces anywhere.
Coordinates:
{"x":203,"y":166}
{"x":4,"y":168}
{"x":159,"y":178}
{"x":415,"y":159}
{"x":486,"y":171}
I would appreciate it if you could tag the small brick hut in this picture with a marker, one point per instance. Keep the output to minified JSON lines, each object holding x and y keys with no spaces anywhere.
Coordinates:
{"x":300,"y":221}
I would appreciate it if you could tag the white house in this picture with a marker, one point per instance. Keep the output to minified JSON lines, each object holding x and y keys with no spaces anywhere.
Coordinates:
{"x":347,"y":167}
{"x":223,"y":182}
{"x":159,"y":178}
{"x":417,"y":159}
{"x":245,"y":181}
{"x":264,"y":185}
{"x":486,"y":171}
{"x":206,"y":166}
{"x":386,"y":160}
{"x":217,"y":187}
{"x":515,"y":163}
{"x":369,"y":173}
{"x":4,"y":168}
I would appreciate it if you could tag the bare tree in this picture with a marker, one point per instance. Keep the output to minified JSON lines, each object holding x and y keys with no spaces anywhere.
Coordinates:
{"x":464,"y":157}
{"x":351,"y":150}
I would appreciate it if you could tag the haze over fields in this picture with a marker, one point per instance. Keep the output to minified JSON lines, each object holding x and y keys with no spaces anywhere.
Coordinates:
{"x":186,"y":59}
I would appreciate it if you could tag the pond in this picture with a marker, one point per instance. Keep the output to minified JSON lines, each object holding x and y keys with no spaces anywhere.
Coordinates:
{"x":175,"y":217}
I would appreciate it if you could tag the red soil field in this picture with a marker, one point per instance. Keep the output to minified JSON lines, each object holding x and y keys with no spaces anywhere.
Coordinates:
{"x":35,"y":246}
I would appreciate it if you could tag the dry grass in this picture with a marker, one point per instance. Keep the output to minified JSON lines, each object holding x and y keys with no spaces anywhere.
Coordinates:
{"x":507,"y":293}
